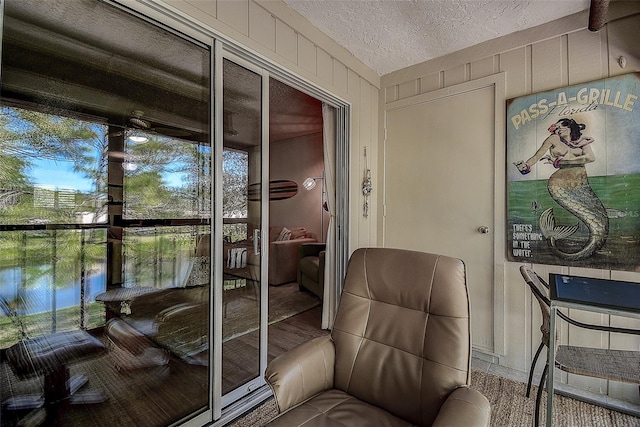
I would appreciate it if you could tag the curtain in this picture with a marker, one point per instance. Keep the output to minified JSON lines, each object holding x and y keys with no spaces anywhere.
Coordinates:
{"x":329,"y":145}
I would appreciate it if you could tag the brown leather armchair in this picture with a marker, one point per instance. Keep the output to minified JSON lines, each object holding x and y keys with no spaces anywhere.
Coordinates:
{"x":399,"y":353}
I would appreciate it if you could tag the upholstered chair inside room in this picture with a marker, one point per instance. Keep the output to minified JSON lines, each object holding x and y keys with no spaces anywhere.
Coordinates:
{"x":311,"y":258}
{"x":399,"y":353}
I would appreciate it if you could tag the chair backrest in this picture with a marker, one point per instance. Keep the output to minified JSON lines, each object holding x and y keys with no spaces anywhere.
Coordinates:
{"x":199,"y":264}
{"x":402,"y":331}
{"x":540,"y":289}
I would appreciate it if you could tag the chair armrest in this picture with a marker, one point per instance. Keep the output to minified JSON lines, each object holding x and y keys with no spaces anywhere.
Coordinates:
{"x":123,"y":335}
{"x":283,"y":260}
{"x":464,"y":407}
{"x":302,"y":372}
{"x":310,"y":249}
{"x":181,"y":312}
{"x":183,"y":329}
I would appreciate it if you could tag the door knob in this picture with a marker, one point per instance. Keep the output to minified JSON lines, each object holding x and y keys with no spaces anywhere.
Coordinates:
{"x":483,"y":229}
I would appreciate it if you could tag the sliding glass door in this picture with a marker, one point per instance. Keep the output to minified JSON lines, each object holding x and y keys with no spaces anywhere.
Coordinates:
{"x":105,"y":213}
{"x":243,"y":292}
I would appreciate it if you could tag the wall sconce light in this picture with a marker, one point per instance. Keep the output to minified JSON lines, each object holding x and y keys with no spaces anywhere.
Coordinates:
{"x":309,"y":184}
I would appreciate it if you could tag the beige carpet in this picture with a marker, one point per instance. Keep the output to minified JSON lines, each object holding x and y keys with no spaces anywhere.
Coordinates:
{"x":509,"y":407}
{"x":240,"y":307}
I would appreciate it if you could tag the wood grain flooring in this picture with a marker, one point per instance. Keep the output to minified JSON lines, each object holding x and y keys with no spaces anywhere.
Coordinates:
{"x":240,"y":355}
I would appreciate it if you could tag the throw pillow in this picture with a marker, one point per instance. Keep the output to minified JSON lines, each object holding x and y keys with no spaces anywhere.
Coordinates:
{"x":285,"y":234}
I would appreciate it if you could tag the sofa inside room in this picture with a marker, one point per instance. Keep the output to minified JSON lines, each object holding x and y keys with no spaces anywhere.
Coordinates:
{"x":240,"y":259}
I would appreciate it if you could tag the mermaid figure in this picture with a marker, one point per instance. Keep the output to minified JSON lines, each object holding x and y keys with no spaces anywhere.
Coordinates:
{"x":569,"y":151}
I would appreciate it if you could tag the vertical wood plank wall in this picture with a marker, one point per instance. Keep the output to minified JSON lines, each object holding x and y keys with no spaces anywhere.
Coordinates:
{"x":271,"y":29}
{"x":550,"y":56}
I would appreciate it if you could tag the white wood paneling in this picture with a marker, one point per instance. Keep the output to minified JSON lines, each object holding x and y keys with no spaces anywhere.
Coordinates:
{"x":587,"y":56}
{"x":431,"y":82}
{"x":621,"y":43}
{"x":455,"y":75}
{"x":523,"y":336}
{"x":286,"y":42}
{"x":262,"y":26}
{"x":306,"y":54}
{"x":195,"y":7}
{"x":325,"y":66}
{"x":482,"y":68}
{"x":359,"y":119}
{"x":407,"y":89}
{"x":391,"y":93}
{"x":366,"y":235}
{"x":234,"y":13}
{"x":547,"y":65}
{"x":514,"y":63}
{"x":340,"y":76}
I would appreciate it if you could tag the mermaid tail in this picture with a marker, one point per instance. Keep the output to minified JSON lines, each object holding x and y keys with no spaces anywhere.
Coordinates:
{"x":569,"y":187}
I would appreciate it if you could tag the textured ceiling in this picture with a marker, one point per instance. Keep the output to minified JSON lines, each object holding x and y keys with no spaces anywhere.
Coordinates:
{"x":388,"y":35}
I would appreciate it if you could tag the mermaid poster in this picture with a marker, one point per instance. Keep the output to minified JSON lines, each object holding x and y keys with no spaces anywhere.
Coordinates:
{"x":573,"y":175}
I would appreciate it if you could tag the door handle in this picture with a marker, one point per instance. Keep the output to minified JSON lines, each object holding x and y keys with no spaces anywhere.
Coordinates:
{"x":256,"y":241}
{"x":483,"y":229}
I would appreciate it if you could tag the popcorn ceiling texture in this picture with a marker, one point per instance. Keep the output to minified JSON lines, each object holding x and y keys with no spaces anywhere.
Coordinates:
{"x":388,"y":35}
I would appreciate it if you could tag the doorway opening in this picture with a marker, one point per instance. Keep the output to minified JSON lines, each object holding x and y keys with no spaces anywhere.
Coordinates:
{"x":297,"y":221}
{"x":299,"y":217}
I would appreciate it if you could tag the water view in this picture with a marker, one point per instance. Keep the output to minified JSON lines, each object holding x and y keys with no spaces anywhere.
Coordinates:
{"x":42,"y":296}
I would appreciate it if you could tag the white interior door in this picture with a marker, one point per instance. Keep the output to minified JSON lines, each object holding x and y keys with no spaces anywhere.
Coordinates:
{"x":439,"y":189}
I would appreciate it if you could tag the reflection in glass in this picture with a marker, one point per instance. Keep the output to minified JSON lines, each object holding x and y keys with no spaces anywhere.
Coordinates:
{"x":166,"y":178}
{"x":42,"y":276}
{"x":166,"y":257}
{"x":52,"y":169}
{"x":105,"y":181}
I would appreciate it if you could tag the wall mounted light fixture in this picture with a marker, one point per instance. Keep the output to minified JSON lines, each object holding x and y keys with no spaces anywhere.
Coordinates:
{"x":367,"y":186}
{"x":309,"y":184}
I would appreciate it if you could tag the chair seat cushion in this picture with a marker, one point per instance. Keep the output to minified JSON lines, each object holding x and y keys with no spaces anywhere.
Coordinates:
{"x":336,"y":408}
{"x":310,"y":267}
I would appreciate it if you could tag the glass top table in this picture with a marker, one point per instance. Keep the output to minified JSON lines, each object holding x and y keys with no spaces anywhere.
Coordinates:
{"x":613,"y":297}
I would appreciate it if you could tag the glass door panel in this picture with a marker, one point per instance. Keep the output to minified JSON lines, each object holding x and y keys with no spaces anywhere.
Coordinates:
{"x":105,"y":212}
{"x":242,"y":222}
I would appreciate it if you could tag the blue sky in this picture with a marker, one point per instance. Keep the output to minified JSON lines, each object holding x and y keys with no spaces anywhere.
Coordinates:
{"x":58,"y":174}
